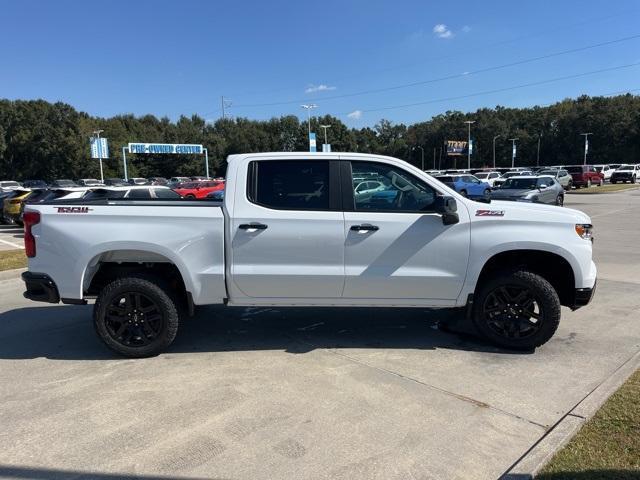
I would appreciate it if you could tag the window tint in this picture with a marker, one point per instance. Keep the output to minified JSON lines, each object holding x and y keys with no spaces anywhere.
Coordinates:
{"x":395,"y":189}
{"x":293,"y":184}
{"x":139,"y":193}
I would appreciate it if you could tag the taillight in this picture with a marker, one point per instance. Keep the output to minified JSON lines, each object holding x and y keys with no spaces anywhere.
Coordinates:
{"x":30,"y":219}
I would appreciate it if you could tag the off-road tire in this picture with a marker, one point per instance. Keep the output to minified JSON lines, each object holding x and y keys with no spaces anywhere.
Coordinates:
{"x":154,"y":290}
{"x":545,"y":296}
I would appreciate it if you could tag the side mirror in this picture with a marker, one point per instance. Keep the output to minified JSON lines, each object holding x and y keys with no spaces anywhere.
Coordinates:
{"x":542,"y":186}
{"x":447,"y":207}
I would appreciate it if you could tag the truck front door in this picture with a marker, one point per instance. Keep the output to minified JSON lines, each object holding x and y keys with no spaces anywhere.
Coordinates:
{"x":287,"y":231}
{"x":397,"y":247}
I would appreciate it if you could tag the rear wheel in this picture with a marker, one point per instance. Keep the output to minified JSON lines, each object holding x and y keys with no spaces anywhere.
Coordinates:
{"x":634,"y":179}
{"x":136,"y":317}
{"x":517,"y":310}
{"x":614,"y":181}
{"x":600,"y":183}
{"x":190,"y":196}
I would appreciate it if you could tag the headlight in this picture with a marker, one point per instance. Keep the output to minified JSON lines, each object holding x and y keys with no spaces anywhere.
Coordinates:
{"x":585,"y":230}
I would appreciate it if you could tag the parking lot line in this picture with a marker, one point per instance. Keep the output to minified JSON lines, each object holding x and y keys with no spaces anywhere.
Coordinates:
{"x":11,"y":244}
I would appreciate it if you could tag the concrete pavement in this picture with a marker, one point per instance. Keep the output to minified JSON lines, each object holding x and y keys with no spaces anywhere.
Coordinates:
{"x":296,"y":393}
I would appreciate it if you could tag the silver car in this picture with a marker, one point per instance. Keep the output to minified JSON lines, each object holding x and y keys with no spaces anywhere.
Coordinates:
{"x":537,"y":189}
{"x":562,"y":176}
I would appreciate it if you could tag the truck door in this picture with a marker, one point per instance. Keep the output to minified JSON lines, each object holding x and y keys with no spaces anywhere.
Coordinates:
{"x":287,"y":231}
{"x":396,"y":245}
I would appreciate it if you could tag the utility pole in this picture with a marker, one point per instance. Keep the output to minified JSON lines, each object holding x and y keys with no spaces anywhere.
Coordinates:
{"x":513,"y":151}
{"x":494,"y":149}
{"x":422,"y":149}
{"x":97,"y":134}
{"x":434,"y":158}
{"x":469,"y":122}
{"x":223,"y":105}
{"x":586,"y":146}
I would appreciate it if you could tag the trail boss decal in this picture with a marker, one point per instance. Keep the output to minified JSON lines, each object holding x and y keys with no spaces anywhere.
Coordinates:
{"x":489,"y":213}
{"x":74,"y":209}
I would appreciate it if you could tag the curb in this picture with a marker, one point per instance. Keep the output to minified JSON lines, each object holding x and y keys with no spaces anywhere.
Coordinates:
{"x":530,"y":464}
{"x":11,"y":274}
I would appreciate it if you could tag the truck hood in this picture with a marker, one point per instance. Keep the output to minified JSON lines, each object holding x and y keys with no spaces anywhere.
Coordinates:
{"x":525,"y":211}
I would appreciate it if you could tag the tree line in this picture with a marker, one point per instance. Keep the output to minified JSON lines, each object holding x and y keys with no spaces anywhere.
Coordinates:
{"x":43,"y":140}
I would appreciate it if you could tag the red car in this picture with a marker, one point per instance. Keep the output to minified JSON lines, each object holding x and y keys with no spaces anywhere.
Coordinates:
{"x":198,"y":189}
{"x":585,"y":175}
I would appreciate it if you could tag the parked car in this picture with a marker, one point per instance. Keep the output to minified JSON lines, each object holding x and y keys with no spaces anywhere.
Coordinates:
{"x":12,"y":204}
{"x":115,"y":182}
{"x":90,"y":182}
{"x":488,"y":177}
{"x":585,"y":175}
{"x":511,"y":173}
{"x":561,"y":176}
{"x":467,"y":186}
{"x":605,"y":170}
{"x":4,"y":195}
{"x":198,"y":189}
{"x":137,"y":192}
{"x":364,"y":190}
{"x":8,"y":185}
{"x":33,"y":184}
{"x":64,"y":183}
{"x":291,"y":240}
{"x":626,"y":173}
{"x":68,"y":193}
{"x":615,"y":166}
{"x":138,"y":181}
{"x":158,"y":181}
{"x":536,"y":189}
{"x":198,"y":179}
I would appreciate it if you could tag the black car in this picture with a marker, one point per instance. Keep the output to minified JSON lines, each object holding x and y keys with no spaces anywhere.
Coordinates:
{"x":34,"y":184}
{"x":64,"y":183}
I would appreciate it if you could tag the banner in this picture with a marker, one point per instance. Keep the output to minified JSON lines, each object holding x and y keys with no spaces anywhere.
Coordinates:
{"x":312,"y":142}
{"x":99,"y":148}
{"x":166,"y":148}
{"x":456,"y":147}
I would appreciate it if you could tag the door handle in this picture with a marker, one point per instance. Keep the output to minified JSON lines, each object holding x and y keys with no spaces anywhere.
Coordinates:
{"x":252,"y":226}
{"x":369,"y":228}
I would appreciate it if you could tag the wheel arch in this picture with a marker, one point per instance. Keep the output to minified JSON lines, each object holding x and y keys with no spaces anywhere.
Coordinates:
{"x":555,"y":268}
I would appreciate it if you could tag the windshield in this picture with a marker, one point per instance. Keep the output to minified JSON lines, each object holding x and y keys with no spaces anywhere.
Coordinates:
{"x":482,"y":175}
{"x":626,"y":167}
{"x":510,"y":174}
{"x":548,"y":172}
{"x":519,"y":184}
{"x":574,"y":169}
{"x":9,"y":184}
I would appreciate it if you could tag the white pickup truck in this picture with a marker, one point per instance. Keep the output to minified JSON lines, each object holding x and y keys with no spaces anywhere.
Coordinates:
{"x":293,"y":231}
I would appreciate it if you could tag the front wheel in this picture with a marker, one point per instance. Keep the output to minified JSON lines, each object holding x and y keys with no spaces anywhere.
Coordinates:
{"x":463,"y":193}
{"x":614,"y":181}
{"x":600,"y":183}
{"x":634,"y":179}
{"x":560,"y":200}
{"x":487,"y":194}
{"x":517,"y":310}
{"x":136,"y":317}
{"x":589,"y":183}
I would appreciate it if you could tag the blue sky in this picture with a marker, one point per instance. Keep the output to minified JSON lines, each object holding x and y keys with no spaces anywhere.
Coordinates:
{"x":178,"y":57}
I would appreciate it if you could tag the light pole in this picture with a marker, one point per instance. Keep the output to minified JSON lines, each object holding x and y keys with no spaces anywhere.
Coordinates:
{"x":97,"y":134}
{"x":308,"y":108}
{"x":586,"y":146}
{"x":469,"y":122}
{"x":324,"y":127}
{"x":538,"y":154}
{"x":513,"y":151}
{"x":494,"y":149}
{"x":422,"y":149}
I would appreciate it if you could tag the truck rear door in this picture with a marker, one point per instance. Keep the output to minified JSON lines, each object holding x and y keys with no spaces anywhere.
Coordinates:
{"x":287,"y":230}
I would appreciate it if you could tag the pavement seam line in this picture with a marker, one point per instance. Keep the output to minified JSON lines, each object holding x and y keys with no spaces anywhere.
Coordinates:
{"x":463,"y":398}
{"x":634,"y":357}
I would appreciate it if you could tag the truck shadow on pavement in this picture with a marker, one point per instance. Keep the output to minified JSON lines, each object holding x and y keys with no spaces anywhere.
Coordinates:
{"x":66,"y":332}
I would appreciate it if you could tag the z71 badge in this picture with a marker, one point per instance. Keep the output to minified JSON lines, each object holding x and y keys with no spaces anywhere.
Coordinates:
{"x":74,"y":209}
{"x":489,"y":213}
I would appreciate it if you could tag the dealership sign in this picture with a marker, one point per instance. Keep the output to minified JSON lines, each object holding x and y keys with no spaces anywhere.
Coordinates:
{"x":166,"y":148}
{"x":456,"y":147}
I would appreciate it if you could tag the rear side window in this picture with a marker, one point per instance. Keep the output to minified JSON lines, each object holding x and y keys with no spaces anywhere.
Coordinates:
{"x":165,"y":193}
{"x":140,"y":194}
{"x":291,"y":184}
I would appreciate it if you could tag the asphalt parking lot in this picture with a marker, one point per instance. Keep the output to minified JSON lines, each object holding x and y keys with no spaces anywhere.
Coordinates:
{"x":11,"y":237}
{"x":296,"y":393}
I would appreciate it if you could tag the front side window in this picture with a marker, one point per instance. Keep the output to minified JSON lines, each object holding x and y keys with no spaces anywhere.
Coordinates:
{"x":292,"y":184}
{"x":395,"y":189}
{"x":140,"y":194}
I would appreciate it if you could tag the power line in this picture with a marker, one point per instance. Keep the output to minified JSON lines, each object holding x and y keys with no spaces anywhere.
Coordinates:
{"x":440,"y":79}
{"x":498,"y":90}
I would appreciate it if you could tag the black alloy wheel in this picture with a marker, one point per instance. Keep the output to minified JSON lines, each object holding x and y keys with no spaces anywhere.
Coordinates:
{"x":511,"y":311}
{"x":133,"y":320}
